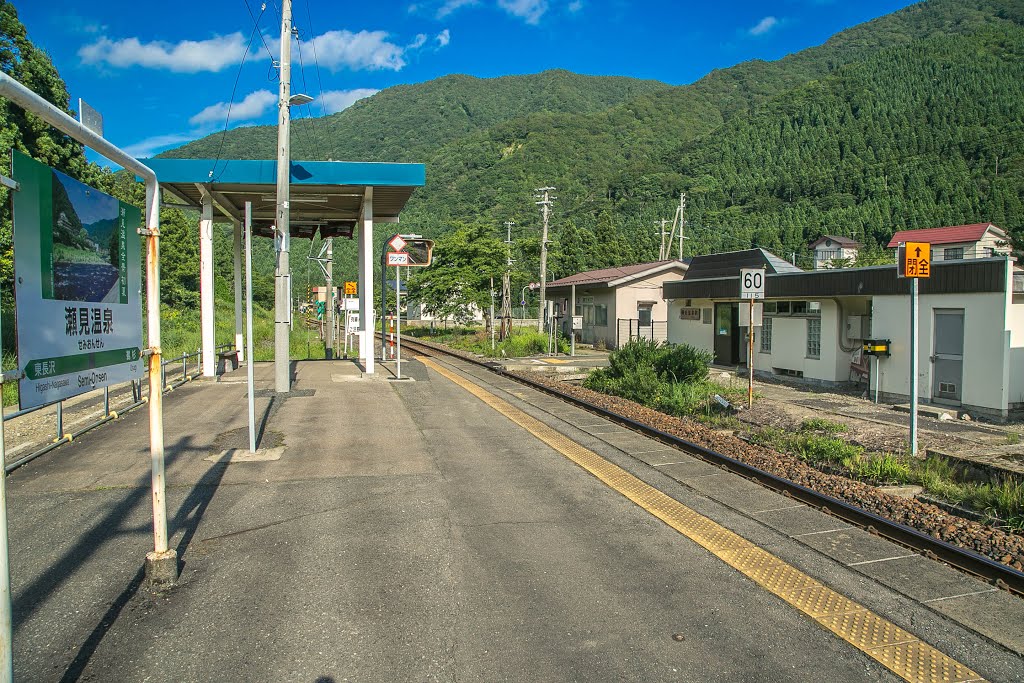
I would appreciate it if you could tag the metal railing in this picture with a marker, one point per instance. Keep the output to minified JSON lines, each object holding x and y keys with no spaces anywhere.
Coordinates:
{"x":138,"y":399}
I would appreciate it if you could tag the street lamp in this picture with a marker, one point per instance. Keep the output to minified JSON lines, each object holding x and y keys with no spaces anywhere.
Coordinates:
{"x":299,"y":99}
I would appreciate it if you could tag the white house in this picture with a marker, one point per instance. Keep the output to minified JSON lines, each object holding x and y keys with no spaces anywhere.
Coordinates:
{"x":617,"y":304}
{"x":971,"y":330}
{"x":979,"y":240}
{"x":830,"y":249}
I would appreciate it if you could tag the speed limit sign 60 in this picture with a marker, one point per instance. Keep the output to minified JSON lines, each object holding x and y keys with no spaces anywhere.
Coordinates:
{"x":752,"y":283}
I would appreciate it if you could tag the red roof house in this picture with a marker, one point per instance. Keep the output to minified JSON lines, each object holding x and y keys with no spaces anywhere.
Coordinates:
{"x":978,"y":240}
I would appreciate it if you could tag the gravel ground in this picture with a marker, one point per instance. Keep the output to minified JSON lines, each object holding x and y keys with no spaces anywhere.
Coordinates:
{"x":997,"y":544}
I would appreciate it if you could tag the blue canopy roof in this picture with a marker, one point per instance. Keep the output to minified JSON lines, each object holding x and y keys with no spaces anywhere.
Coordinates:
{"x":324,"y":195}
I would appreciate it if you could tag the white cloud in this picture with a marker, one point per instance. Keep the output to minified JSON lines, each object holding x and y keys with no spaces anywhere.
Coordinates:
{"x":763,"y":26}
{"x":529,"y":10}
{"x":450,"y":6}
{"x":575,"y":6}
{"x":152,"y":145}
{"x":187,"y":56}
{"x":417,"y":42}
{"x":365,"y":50}
{"x":252,"y":107}
{"x":443,"y":38}
{"x":336,"y":100}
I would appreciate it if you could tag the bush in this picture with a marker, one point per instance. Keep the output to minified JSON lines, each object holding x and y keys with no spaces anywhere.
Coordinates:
{"x":637,"y":354}
{"x":682,"y":363}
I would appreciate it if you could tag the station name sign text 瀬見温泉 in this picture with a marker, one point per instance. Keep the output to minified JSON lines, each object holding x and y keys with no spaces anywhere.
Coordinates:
{"x":77,"y":267}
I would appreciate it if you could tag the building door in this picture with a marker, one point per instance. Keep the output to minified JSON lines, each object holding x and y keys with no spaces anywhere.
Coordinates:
{"x":948,"y":358}
{"x":727,"y":333}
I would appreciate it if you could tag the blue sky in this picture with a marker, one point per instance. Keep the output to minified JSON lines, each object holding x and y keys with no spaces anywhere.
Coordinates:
{"x":162,"y":73}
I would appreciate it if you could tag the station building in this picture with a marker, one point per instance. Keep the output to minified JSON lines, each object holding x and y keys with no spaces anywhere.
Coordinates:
{"x":617,"y":304}
{"x":971,"y":327}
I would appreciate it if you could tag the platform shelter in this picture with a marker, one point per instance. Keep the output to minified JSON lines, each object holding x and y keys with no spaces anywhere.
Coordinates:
{"x":329,"y":198}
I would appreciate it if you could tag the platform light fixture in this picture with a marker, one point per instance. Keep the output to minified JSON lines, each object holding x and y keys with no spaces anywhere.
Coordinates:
{"x":299,"y":99}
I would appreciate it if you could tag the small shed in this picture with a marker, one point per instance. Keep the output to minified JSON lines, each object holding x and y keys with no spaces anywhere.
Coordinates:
{"x":617,"y":304}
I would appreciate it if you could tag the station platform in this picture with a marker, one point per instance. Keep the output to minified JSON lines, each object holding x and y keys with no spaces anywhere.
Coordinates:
{"x":427,"y":530}
{"x":582,"y":363}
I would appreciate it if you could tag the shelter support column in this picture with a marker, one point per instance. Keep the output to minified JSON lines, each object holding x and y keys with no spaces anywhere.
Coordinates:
{"x":366,"y":322}
{"x":239,"y":340}
{"x":206,"y":286}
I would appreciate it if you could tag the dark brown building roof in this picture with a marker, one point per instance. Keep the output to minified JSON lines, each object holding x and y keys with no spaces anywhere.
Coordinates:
{"x":607,"y":275}
{"x":841,"y":241}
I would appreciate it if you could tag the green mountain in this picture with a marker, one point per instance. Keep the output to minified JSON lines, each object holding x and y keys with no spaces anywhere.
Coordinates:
{"x":409,"y":122}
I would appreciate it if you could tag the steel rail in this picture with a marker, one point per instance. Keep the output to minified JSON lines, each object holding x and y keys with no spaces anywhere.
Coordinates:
{"x":964,"y":559}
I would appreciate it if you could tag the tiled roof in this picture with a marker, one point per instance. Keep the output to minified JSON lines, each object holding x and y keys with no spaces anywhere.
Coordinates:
{"x":603,"y":275}
{"x":950,"y":235}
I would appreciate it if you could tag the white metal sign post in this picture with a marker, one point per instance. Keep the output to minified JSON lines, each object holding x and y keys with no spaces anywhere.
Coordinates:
{"x":914,"y":262}
{"x":751,"y":288}
{"x":249,"y":369}
{"x":398,"y":322}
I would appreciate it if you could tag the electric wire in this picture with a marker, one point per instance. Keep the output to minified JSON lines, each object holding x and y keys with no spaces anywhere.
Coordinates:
{"x":309,"y":111}
{"x":234,"y":89}
{"x":256,"y":24}
{"x":316,"y":62}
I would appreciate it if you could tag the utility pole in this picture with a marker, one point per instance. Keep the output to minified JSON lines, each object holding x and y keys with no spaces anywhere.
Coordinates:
{"x":682,"y":223}
{"x":282,"y":304}
{"x":329,"y":306}
{"x":506,"y":287}
{"x":661,"y":252}
{"x":545,"y":208}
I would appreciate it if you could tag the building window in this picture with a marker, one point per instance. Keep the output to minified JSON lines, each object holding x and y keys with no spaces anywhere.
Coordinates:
{"x":643,"y":314}
{"x":766,"y":335}
{"x":706,"y":314}
{"x":989,"y":252}
{"x":813,"y":337}
{"x":953,"y":253}
{"x":601,"y":315}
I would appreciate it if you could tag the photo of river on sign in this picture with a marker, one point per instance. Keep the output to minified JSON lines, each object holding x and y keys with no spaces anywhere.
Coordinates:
{"x":86,"y":248}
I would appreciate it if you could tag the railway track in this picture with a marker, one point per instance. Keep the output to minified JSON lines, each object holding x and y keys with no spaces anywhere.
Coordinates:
{"x":967,"y":560}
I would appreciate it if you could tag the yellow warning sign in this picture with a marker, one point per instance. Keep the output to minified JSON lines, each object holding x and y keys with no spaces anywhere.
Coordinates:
{"x":915,"y":259}
{"x":351,"y":288}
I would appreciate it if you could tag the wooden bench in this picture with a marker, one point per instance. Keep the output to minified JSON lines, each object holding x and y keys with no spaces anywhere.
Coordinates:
{"x":222,"y":359}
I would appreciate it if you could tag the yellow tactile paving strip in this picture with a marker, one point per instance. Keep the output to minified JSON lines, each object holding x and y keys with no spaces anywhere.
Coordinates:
{"x":880,"y":639}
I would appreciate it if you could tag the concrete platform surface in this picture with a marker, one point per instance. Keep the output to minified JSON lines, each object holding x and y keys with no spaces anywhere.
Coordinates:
{"x":407,"y":532}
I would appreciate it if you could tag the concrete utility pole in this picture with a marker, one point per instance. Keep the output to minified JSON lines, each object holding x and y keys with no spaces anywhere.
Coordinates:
{"x":661,"y":251}
{"x":329,"y":306}
{"x":545,"y":207}
{"x":506,"y":287}
{"x":282,"y":302}
{"x":682,"y":222}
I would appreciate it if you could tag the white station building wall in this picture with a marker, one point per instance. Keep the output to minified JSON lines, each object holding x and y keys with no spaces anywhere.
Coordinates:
{"x":989,"y":322}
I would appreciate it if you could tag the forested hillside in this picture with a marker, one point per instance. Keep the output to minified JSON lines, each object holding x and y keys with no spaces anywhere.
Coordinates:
{"x":409,"y":122}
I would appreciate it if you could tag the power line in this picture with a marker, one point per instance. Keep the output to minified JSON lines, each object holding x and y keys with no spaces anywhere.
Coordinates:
{"x":256,"y":25}
{"x":309,"y":111}
{"x":234,"y":89}
{"x":320,"y":83}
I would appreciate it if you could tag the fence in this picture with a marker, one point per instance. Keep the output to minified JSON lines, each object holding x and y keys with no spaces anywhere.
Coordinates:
{"x":63,"y":437}
{"x":628,"y":329}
